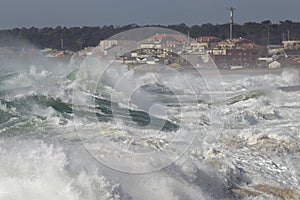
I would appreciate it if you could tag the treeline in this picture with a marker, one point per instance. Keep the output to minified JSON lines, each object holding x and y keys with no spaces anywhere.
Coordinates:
{"x":76,"y":38}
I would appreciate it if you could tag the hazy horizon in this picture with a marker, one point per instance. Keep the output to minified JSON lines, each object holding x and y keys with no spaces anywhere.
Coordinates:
{"x":37,"y":13}
{"x":142,"y":25}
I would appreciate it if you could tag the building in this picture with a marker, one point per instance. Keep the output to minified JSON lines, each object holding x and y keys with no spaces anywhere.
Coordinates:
{"x":106,"y":44}
{"x":208,"y":41}
{"x":156,"y":44}
{"x":238,"y":52}
{"x":290,"y":62}
{"x":172,"y":42}
{"x":195,"y":48}
{"x":217,"y":52}
{"x":291,"y":44}
{"x":237,"y":57}
{"x":274,"y":65}
{"x":233,"y":43}
{"x":111,"y":47}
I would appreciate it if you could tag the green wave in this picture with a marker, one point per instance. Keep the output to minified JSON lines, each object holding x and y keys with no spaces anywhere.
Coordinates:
{"x":24,"y":106}
{"x":246,"y":96}
{"x":141,"y":118}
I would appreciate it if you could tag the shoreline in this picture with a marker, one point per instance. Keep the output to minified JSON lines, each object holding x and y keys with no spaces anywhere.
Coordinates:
{"x":257,"y":70}
{"x":215,"y":71}
{"x":248,"y":71}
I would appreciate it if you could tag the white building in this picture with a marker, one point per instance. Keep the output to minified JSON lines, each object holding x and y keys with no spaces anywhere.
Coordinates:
{"x":274,"y":65}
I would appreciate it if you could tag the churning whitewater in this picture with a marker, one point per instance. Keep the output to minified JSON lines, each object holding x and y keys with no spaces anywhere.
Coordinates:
{"x":67,"y":134}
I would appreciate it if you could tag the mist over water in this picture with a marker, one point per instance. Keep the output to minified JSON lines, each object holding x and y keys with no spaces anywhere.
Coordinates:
{"x":66,"y":136}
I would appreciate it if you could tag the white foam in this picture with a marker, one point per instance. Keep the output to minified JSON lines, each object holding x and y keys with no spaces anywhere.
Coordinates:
{"x":34,"y":170}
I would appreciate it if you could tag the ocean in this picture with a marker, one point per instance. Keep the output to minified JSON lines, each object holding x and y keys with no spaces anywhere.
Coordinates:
{"x":82,"y":130}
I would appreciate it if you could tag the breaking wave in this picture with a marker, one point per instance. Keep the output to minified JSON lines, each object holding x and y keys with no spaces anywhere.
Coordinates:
{"x":68,"y":133}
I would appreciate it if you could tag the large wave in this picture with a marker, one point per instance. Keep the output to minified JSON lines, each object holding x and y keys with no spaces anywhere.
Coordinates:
{"x":43,"y":156}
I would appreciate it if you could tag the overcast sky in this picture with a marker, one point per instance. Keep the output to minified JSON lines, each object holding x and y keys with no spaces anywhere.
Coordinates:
{"x":41,"y":13}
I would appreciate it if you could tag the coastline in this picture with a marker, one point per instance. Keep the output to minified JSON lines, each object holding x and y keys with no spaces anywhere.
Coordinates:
{"x":257,"y":70}
{"x":249,"y":71}
{"x":215,"y":71}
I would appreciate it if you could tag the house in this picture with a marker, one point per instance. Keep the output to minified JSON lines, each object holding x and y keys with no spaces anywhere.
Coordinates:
{"x":290,"y":62}
{"x":225,"y":45}
{"x":236,"y":52}
{"x":274,"y":65}
{"x":234,"y":43}
{"x":264,"y":61}
{"x":151,"y":44}
{"x":127,"y":45}
{"x":164,"y":37}
{"x":195,"y":48}
{"x":218,"y":52}
{"x":208,"y":41}
{"x":171,"y":42}
{"x":115,"y":51}
{"x":291,"y":44}
{"x":237,"y":57}
{"x":276,"y":52}
{"x":106,"y":44}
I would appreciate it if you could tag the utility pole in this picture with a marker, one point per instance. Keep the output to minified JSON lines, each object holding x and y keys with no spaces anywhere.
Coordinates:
{"x":268,"y":35}
{"x":232,"y":9}
{"x":62,"y":43}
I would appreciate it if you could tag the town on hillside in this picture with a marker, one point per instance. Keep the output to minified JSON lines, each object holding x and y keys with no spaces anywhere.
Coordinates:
{"x":175,"y":50}
{"x":179,"y":50}
{"x":169,"y":49}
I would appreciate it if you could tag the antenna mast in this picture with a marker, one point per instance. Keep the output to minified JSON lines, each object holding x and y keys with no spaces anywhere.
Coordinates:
{"x":231,"y":9}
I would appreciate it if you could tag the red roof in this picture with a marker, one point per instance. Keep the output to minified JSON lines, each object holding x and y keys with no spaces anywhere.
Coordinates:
{"x":294,"y":61}
{"x":206,"y":38}
{"x":237,"y":40}
{"x":178,"y":37}
{"x":250,"y":46}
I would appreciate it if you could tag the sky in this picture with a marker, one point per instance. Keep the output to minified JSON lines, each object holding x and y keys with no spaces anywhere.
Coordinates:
{"x":43,"y":13}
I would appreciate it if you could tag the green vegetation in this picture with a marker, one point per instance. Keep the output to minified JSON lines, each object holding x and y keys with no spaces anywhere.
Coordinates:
{"x":76,"y":38}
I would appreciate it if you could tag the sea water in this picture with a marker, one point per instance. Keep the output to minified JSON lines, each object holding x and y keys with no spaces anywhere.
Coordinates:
{"x":146,"y":135}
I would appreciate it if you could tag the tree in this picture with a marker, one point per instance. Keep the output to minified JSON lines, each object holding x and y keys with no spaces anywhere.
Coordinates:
{"x":76,"y":38}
